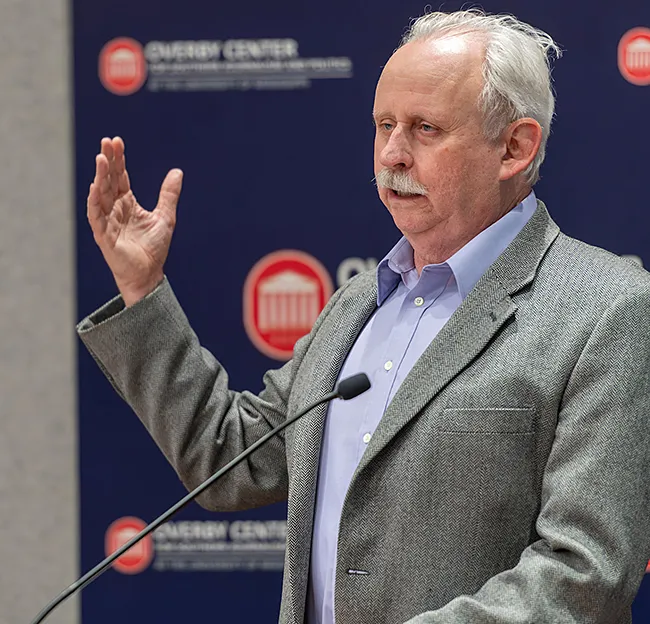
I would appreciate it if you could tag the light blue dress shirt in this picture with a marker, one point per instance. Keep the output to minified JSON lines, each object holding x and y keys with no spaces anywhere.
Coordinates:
{"x":411,"y":311}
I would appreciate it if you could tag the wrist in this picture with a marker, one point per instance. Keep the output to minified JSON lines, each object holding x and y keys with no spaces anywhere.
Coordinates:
{"x":132,"y":293}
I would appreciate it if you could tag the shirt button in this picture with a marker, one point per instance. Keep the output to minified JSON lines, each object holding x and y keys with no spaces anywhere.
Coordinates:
{"x":388,"y":365}
{"x":366,"y":437}
{"x":418,"y":301}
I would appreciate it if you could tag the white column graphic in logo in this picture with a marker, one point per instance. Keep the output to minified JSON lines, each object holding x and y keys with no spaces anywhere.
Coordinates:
{"x":638,"y":55}
{"x":138,"y":557}
{"x":123,"y":65}
{"x":288,"y":300}
{"x":634,"y":56}
{"x":284,"y":293}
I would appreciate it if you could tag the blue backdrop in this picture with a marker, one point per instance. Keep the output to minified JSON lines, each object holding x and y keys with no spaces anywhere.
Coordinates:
{"x":266,"y":106}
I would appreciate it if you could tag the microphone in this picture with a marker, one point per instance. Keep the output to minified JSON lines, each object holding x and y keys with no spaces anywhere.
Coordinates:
{"x":353,"y":386}
{"x":346,"y":389}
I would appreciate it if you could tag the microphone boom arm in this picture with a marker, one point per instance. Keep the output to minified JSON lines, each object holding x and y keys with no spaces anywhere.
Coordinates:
{"x":101,"y":567}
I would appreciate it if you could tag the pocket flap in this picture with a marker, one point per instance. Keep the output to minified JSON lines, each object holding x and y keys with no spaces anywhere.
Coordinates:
{"x":487,"y":420}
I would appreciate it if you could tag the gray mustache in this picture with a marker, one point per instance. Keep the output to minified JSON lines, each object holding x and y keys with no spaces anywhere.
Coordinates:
{"x":400,"y":181}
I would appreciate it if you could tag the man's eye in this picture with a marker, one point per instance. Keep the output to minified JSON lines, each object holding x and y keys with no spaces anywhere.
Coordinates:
{"x":427,"y":128}
{"x":386,"y":126}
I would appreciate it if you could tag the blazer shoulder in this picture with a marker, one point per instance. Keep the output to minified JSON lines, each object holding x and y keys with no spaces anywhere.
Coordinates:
{"x":576,"y":266}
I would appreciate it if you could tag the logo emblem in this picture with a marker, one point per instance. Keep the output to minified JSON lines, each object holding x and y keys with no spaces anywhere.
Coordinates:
{"x":122,"y":66}
{"x":283,"y":295}
{"x":634,"y":56}
{"x":138,"y":557}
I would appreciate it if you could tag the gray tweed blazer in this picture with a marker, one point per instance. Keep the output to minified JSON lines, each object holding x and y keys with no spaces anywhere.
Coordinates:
{"x":508,"y":480}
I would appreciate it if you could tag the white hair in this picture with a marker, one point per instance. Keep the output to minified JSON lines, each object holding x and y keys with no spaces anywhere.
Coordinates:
{"x":516,"y":70}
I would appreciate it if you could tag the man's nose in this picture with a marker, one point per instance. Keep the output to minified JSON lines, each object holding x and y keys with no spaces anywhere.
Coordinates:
{"x":397,"y":151}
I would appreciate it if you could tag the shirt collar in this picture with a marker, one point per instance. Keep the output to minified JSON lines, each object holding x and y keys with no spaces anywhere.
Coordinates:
{"x":468,"y":264}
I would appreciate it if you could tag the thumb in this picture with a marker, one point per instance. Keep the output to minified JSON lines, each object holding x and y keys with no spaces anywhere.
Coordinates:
{"x":169,"y":193}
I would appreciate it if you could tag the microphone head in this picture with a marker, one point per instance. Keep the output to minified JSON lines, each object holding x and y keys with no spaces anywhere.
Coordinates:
{"x":353,"y":386}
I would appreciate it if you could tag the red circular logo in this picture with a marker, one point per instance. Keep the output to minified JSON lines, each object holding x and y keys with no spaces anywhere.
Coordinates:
{"x":138,"y":557}
{"x":634,"y":56}
{"x":283,"y":295}
{"x":122,"y":66}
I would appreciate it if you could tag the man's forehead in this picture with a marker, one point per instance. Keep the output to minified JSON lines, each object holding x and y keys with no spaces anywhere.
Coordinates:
{"x":449,"y":69}
{"x":457,"y":55}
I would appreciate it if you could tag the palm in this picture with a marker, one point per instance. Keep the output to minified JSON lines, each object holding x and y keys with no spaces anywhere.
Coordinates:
{"x":134,"y":241}
{"x":135,"y":235}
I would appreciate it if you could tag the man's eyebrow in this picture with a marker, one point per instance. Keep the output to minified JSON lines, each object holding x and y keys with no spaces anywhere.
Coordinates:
{"x":414,"y":116}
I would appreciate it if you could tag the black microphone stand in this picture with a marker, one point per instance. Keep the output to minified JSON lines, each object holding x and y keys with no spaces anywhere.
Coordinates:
{"x":347,"y":389}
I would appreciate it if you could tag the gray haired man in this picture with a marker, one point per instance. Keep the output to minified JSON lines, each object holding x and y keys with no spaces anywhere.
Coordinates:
{"x":496,"y":472}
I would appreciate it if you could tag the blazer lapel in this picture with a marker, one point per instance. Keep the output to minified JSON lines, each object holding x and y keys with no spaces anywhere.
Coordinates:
{"x":347,"y":319}
{"x":487,"y":307}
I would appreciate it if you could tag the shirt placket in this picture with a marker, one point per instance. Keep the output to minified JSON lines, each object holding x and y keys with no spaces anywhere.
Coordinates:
{"x":389,"y":360}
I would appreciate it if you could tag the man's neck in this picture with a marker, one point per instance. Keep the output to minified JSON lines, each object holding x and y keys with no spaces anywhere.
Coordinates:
{"x":443,"y":245}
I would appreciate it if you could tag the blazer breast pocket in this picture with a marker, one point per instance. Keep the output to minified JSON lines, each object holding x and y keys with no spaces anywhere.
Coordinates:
{"x":488,"y":458}
{"x":490,"y":485}
{"x":487,"y":420}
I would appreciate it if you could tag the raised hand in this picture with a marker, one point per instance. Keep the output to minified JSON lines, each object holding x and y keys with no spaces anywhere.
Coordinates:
{"x":134,"y":241}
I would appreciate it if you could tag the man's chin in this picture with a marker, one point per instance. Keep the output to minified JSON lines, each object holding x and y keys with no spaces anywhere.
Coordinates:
{"x":411,"y":222}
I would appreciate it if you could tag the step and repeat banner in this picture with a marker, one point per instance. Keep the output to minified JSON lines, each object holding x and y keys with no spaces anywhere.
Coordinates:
{"x":266,"y":106}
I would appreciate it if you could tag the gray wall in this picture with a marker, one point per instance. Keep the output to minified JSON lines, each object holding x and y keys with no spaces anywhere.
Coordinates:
{"x":38,"y":471}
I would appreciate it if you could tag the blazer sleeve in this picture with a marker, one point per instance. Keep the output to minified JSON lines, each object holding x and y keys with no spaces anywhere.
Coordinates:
{"x":180,"y":392}
{"x":594,"y":541}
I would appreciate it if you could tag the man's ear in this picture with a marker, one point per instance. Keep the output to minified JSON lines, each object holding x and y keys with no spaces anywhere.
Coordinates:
{"x":521,"y":140}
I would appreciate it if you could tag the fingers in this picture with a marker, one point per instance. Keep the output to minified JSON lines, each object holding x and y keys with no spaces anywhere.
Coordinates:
{"x":95,"y":214}
{"x":108,"y":151}
{"x":94,"y":208}
{"x":107,"y":148}
{"x":102,"y":183}
{"x":121,"y":174}
{"x":169,"y":193}
{"x":111,"y":182}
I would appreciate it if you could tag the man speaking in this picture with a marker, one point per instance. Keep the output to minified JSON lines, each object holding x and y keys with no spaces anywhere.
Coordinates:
{"x":496,"y":472}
